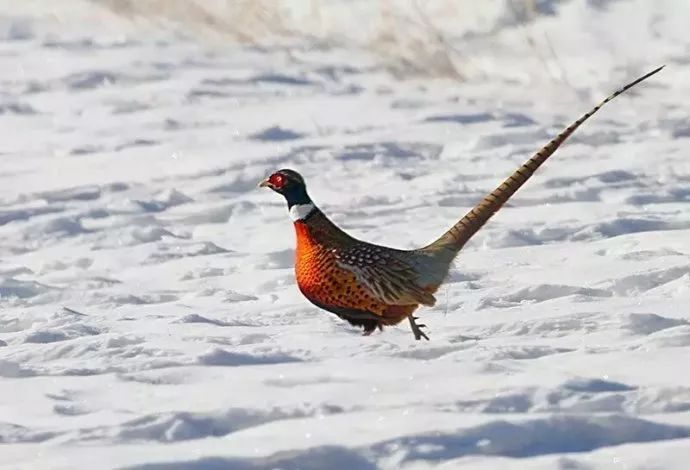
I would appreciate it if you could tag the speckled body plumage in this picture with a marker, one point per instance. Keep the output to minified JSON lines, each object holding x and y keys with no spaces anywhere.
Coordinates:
{"x":374,"y":286}
{"x":321,"y":250}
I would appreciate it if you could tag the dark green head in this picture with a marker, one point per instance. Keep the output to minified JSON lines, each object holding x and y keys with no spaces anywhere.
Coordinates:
{"x":290,"y":184}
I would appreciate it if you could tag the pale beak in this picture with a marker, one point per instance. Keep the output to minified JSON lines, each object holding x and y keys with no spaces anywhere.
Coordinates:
{"x":265,"y":184}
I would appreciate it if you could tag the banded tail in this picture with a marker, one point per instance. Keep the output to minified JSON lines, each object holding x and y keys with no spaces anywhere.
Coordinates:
{"x":460,"y":233}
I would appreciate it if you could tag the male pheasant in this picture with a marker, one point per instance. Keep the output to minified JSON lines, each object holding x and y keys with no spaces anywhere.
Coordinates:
{"x":374,"y":286}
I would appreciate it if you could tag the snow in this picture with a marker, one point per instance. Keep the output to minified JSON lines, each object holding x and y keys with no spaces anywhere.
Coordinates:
{"x":149,"y":317}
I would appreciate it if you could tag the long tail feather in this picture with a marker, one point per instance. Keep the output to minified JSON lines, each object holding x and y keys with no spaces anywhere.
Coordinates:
{"x":456,"y":237}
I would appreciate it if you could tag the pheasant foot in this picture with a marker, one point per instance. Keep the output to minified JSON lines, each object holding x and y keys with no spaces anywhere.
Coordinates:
{"x":417,"y":329}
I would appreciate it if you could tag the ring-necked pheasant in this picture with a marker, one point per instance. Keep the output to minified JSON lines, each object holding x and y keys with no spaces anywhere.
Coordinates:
{"x":373,"y":286}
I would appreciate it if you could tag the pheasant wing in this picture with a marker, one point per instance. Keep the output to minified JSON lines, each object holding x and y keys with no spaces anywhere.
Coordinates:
{"x":385,"y":274}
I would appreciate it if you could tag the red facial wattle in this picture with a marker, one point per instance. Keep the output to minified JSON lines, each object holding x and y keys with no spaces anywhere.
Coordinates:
{"x":277,"y":180}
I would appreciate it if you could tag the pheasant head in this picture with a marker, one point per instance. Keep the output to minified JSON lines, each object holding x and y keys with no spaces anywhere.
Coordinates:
{"x":290,"y":185}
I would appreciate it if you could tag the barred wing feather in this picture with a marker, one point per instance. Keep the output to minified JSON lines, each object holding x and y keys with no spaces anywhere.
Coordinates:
{"x":386,"y":276}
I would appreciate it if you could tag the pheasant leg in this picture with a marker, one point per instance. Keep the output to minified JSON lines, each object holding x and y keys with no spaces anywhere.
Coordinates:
{"x":417,"y":329}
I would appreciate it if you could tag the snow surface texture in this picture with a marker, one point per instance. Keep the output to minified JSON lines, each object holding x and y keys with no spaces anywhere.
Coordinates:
{"x":149,"y":317}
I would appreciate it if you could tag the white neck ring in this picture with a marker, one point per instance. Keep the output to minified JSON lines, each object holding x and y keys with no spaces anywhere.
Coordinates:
{"x":301,"y":211}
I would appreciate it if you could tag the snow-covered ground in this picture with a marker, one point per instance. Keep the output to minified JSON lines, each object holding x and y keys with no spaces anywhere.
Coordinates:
{"x":149,"y":317}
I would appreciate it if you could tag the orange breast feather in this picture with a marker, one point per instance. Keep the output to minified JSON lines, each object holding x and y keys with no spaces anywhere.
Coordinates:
{"x":323,"y":282}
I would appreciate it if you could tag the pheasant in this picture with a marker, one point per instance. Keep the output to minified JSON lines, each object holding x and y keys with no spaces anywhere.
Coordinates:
{"x":373,"y":286}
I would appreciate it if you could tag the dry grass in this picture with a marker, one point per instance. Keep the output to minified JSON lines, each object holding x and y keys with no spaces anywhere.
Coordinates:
{"x":404,"y":35}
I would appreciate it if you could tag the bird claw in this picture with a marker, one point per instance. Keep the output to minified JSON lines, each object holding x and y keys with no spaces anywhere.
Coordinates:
{"x":417,"y":329}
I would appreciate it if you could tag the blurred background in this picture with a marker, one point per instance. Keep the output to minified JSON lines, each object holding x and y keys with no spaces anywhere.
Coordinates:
{"x":525,"y":40}
{"x":571,"y":51}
